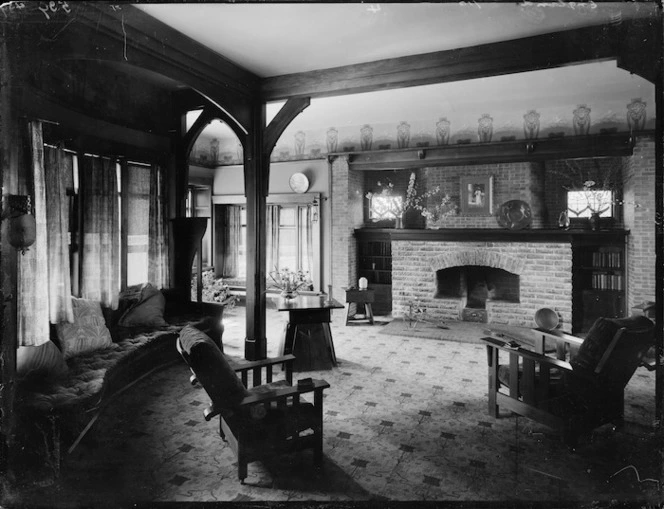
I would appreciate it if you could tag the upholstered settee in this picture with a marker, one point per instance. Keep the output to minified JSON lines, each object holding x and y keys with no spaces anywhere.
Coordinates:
{"x":63,"y":385}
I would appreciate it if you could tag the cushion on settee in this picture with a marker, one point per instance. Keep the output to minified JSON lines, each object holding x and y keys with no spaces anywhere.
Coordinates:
{"x":212,"y":369}
{"x":146,"y":309}
{"x":88,"y":332}
{"x":45,"y":360}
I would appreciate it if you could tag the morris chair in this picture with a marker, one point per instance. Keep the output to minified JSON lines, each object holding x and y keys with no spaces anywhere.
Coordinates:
{"x":265,"y":420}
{"x":579,"y":390}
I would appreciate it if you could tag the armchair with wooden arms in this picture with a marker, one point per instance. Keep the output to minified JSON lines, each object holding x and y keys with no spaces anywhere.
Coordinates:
{"x":268,"y":419}
{"x":581,"y":388}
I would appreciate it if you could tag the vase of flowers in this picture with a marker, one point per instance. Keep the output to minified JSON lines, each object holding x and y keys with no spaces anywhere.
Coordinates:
{"x":437,"y":210}
{"x":289,"y":282}
{"x":392,"y":206}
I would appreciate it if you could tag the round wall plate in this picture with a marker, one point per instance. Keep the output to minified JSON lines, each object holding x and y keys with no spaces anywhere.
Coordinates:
{"x":299,"y":182}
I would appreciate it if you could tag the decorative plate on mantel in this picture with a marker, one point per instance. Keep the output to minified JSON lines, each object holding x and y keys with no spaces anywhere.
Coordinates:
{"x":514,"y":215}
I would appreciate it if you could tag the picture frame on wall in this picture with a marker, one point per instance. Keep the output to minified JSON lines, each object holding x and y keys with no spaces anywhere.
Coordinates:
{"x":476,"y":196}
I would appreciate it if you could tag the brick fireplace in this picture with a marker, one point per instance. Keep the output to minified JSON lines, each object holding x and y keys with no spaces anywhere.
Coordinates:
{"x":492,"y":282}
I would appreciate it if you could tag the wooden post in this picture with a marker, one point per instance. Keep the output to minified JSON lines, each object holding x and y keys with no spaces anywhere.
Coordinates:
{"x":256,"y":183}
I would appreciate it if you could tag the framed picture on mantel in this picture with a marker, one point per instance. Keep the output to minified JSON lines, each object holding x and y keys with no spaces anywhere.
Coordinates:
{"x":476,"y":196}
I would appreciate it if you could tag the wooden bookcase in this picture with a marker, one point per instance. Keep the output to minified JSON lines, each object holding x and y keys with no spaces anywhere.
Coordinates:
{"x":598,"y":283}
{"x":374,"y":262}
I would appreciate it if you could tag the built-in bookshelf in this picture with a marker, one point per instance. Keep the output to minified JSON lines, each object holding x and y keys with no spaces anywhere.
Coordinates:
{"x":374,"y":256}
{"x":599,"y":280}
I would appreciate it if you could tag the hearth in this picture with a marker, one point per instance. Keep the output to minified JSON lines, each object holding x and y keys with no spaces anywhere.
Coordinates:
{"x":474,"y":285}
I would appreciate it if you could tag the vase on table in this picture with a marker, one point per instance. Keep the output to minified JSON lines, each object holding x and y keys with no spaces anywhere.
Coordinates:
{"x":398,"y":222}
{"x":594,"y":221}
{"x":288,"y":294}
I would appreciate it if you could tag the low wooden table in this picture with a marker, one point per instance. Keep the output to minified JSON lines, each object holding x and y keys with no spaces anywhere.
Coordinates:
{"x":360,"y":297}
{"x":308,"y":335}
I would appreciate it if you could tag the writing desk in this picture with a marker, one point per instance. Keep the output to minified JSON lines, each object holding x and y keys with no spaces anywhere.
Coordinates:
{"x":308,"y":335}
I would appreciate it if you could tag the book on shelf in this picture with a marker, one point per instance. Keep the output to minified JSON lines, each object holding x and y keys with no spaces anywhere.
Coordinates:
{"x":602,"y":281}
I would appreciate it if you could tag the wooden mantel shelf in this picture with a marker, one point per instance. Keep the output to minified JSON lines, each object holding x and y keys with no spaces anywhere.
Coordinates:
{"x":574,"y":236}
{"x":594,"y":145}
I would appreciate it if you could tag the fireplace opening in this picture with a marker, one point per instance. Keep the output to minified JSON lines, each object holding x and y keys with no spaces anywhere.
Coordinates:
{"x":477,"y":284}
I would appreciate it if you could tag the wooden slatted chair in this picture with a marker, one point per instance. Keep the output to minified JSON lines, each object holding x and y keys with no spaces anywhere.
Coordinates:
{"x":575,"y":394}
{"x":267,"y":419}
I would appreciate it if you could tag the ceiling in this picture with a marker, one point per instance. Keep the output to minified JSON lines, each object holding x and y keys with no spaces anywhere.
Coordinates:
{"x":272,"y":39}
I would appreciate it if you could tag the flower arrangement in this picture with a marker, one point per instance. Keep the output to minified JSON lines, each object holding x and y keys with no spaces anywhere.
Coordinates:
{"x":441,"y":208}
{"x":393,"y":206}
{"x":289,"y":282}
{"x":597,"y":199}
{"x":594,"y":184}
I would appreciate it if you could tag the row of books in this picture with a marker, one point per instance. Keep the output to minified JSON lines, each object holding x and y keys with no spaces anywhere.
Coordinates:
{"x":376,"y":249}
{"x":607,"y":282}
{"x":610,"y":259}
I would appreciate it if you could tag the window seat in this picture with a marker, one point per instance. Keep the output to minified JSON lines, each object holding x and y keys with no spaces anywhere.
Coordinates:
{"x":56,"y":411}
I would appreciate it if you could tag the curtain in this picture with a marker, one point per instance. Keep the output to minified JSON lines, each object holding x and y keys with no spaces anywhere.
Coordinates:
{"x":231,"y":241}
{"x":32,"y":290}
{"x":158,"y":273}
{"x":307,"y":256}
{"x":272,"y":227}
{"x":58,"y":172}
{"x":100,"y":272}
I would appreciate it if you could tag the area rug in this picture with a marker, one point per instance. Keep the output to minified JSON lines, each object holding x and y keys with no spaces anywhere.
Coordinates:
{"x":463,"y":332}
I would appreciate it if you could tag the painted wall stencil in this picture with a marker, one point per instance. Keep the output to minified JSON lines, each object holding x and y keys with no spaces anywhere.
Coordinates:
{"x":332,"y":138}
{"x":403,"y":134}
{"x":366,"y":137}
{"x":299,"y":143}
{"x":636,"y":115}
{"x":443,"y":131}
{"x":214,"y":150}
{"x":485,"y":128}
{"x":531,"y":125}
{"x":581,"y":120}
{"x":240,"y":151}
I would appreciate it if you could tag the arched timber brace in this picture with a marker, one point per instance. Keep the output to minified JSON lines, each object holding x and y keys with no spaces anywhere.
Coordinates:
{"x":260,"y":143}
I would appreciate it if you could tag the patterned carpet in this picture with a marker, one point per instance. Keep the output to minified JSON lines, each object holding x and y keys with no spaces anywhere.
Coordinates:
{"x":404,"y":420}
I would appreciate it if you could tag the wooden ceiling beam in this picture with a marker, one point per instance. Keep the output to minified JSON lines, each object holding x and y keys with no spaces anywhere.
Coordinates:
{"x":577,"y":46}
{"x":124,"y":35}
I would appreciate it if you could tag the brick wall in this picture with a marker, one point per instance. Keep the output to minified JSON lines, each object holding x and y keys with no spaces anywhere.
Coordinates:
{"x":544,"y":269}
{"x":639,"y":217}
{"x":347,"y":214}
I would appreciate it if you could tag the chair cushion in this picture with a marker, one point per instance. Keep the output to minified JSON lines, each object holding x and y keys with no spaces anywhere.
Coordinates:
{"x":211,"y":368}
{"x":145,"y":311}
{"x":45,"y":360}
{"x":600,"y":336}
{"x":87,"y":333}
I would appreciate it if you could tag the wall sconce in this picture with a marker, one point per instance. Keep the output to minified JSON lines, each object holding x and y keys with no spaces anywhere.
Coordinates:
{"x":314,"y":211}
{"x":22,"y":228}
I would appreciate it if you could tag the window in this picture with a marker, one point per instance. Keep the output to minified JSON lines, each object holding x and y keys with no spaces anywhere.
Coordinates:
{"x":138,"y":209}
{"x":295,"y":238}
{"x":582,"y":203}
{"x":198,"y":205}
{"x":383,"y":207}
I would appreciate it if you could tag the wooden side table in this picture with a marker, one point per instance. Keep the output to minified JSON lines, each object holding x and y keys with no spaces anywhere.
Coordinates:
{"x":364,"y":297}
